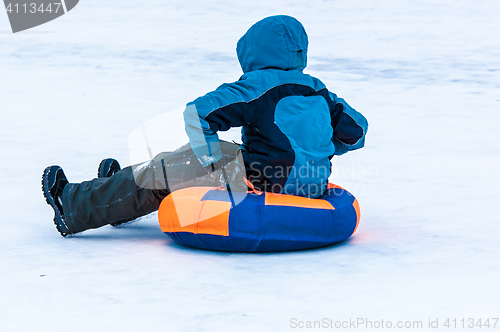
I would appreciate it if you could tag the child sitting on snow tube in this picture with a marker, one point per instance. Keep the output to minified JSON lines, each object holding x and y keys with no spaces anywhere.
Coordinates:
{"x":291,"y":127}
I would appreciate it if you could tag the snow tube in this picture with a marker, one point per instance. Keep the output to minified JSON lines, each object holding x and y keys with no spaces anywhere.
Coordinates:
{"x":207,"y":218}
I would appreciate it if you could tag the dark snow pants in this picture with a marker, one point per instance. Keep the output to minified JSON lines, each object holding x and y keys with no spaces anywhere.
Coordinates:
{"x":135,"y":190}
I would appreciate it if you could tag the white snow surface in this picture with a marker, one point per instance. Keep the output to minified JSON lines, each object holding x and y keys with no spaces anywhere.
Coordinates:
{"x":426,"y":74}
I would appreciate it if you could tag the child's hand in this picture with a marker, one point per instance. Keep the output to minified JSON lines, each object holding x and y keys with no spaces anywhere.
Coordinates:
{"x":229,"y":173}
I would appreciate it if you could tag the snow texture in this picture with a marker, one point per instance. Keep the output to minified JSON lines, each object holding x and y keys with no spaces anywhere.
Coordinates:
{"x":426,"y":74}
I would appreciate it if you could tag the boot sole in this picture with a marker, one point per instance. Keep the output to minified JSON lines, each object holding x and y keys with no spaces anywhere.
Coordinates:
{"x":58,"y":219}
{"x":100,"y":170}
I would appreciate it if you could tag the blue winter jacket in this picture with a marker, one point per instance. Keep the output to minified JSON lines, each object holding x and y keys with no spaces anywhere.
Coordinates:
{"x":291,"y":124}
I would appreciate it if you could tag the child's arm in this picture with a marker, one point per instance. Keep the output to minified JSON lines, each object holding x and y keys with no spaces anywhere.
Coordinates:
{"x":216,"y":111}
{"x":349,"y":128}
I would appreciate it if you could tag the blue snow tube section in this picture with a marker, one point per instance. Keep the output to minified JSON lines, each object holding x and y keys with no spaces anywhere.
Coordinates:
{"x":208,"y":218}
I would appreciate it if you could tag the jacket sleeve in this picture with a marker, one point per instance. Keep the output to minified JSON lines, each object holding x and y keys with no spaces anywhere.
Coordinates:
{"x":218,"y":110}
{"x":349,"y":127}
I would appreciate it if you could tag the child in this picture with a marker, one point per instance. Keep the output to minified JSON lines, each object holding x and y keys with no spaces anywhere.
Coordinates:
{"x":291,"y":127}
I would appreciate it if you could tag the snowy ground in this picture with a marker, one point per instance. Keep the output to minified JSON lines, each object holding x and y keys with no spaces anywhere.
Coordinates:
{"x":425,"y":73}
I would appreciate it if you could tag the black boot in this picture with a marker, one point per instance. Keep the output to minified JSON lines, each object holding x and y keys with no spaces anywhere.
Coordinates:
{"x":107,"y":168}
{"x":53,"y":183}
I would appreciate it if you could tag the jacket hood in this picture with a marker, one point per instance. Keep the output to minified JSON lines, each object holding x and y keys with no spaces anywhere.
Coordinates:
{"x":274,"y":42}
